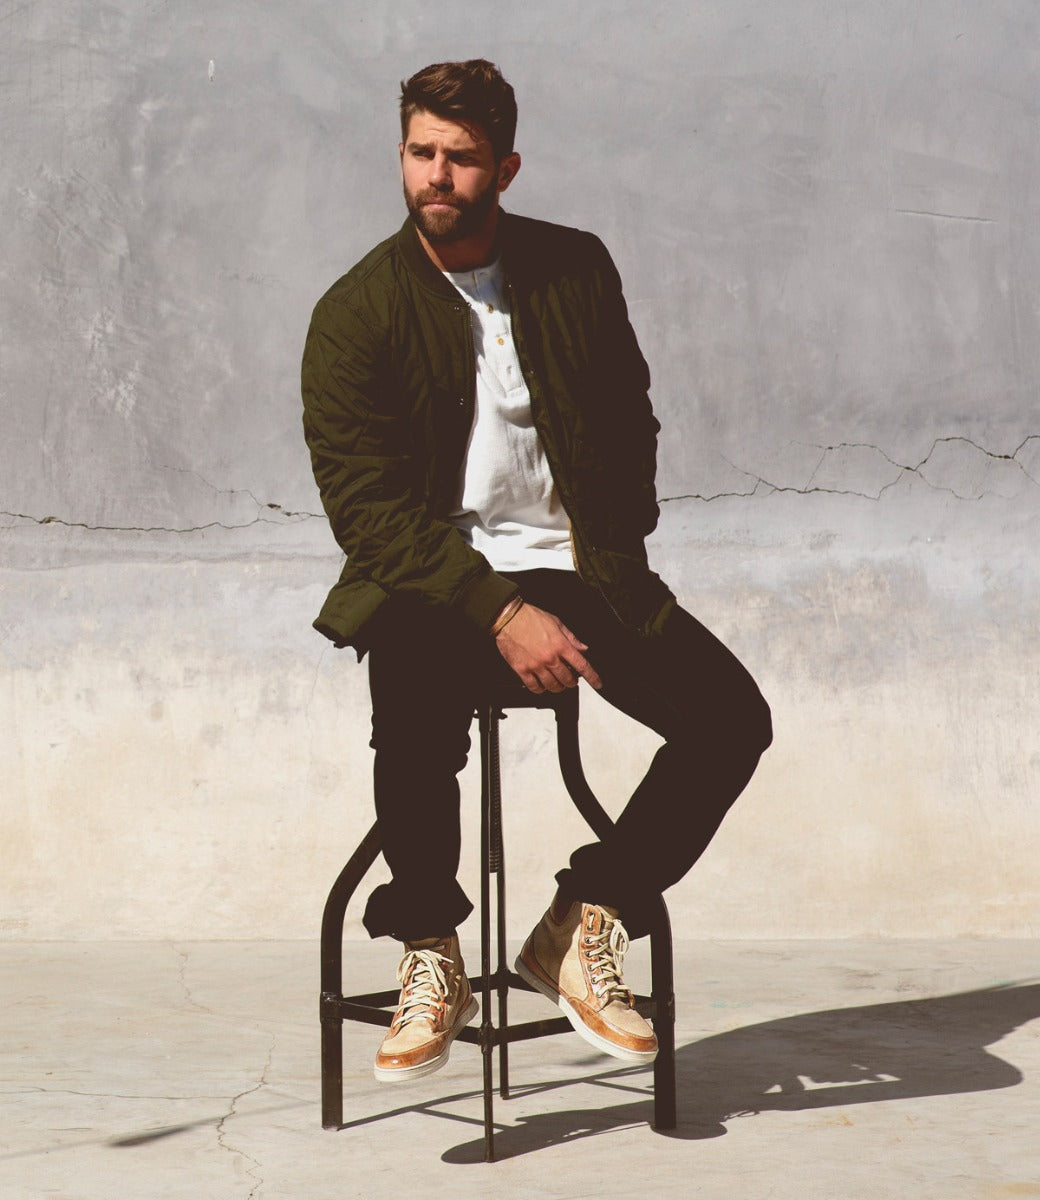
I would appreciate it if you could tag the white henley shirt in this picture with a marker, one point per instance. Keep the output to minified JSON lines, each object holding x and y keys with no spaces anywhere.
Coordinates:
{"x":507,"y":504}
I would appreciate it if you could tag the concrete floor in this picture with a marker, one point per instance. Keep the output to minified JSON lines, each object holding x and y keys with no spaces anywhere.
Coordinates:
{"x":831,"y":1070}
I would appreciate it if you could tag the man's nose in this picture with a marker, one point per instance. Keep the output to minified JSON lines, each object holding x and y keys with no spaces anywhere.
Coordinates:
{"x":440,"y":173}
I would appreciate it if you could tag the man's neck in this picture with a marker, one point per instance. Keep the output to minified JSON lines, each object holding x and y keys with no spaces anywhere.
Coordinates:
{"x":468,"y":254}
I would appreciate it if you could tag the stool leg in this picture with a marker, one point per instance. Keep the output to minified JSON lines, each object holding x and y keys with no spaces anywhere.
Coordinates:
{"x":568,"y":749}
{"x":662,"y":987}
{"x":331,"y":1073}
{"x":332,"y":976}
{"x":488,"y":737}
{"x":503,"y":982}
{"x":498,"y":869}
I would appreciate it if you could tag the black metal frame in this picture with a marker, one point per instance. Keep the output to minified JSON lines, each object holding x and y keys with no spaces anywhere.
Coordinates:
{"x":375,"y":1008}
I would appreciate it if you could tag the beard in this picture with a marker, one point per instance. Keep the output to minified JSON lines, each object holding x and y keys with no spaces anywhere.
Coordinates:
{"x":464,"y":219}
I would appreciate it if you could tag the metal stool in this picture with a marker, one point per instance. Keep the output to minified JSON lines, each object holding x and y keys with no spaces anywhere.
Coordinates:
{"x":376,"y":1008}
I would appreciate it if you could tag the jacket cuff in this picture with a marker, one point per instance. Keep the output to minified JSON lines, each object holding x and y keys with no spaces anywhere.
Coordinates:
{"x":483,"y":596}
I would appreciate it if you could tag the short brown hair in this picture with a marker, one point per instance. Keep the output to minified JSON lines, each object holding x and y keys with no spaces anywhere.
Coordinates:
{"x":472,"y":91}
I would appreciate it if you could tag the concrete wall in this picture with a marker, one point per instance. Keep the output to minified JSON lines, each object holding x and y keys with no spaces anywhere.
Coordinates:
{"x":826,"y":219}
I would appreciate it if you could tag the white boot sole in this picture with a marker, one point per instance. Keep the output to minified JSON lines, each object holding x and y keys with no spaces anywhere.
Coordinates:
{"x":594,"y":1039}
{"x":407,"y":1074}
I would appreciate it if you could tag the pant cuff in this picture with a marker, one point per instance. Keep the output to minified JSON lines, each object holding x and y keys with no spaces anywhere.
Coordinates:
{"x":641,"y":911}
{"x":393,"y":912}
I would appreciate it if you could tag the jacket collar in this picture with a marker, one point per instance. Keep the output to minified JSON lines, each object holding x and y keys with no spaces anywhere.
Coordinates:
{"x":420,"y":264}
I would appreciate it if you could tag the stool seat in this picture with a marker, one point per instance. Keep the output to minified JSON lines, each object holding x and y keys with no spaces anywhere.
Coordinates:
{"x":511,"y":693}
{"x":376,"y":1008}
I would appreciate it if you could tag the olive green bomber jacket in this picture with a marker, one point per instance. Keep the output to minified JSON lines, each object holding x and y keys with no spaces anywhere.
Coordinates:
{"x":389,"y":388}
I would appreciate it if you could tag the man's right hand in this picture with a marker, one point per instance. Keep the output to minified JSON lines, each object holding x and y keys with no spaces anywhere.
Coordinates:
{"x":544,"y":653}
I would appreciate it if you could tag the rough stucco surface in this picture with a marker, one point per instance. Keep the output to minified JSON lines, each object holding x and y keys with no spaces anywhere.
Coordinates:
{"x":826,"y":220}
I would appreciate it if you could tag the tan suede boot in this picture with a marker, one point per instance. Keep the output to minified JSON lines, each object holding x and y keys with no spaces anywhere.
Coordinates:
{"x":575,"y":958}
{"x":436,"y":1004}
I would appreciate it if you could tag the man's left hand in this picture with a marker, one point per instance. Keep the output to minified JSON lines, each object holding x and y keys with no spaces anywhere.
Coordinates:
{"x":544,"y":652}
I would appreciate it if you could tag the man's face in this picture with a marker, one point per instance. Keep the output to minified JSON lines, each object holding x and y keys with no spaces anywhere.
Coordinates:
{"x":451,"y":179}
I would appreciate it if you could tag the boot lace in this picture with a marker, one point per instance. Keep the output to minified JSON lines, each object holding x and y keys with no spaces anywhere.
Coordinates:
{"x":425,"y":986}
{"x":605,"y":952}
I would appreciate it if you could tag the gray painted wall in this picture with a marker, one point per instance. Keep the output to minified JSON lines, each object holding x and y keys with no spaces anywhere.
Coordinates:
{"x":826,"y":216}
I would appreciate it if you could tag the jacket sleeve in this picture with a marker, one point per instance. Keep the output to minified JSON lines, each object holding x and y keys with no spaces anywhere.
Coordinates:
{"x":372,"y":483}
{"x":630,"y":440}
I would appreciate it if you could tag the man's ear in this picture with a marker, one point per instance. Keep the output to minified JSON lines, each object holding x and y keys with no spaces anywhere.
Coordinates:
{"x":507,"y":170}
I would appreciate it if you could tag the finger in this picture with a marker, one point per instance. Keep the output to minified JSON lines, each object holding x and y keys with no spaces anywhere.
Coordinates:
{"x":566,"y":674}
{"x":527,"y":678}
{"x":589,"y":673}
{"x":552,"y":682}
{"x":582,"y":668}
{"x":576,"y":642}
{"x":560,"y":675}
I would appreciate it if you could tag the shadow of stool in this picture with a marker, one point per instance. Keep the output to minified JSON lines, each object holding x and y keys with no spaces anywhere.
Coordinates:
{"x":376,"y":1008}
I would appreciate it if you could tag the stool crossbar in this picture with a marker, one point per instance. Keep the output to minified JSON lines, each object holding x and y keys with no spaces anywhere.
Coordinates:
{"x":377,"y":1008}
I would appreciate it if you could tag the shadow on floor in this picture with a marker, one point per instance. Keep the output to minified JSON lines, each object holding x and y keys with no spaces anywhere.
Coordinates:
{"x":840,"y":1057}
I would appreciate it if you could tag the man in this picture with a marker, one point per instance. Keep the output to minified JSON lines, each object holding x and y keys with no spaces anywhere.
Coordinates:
{"x":476,"y":407}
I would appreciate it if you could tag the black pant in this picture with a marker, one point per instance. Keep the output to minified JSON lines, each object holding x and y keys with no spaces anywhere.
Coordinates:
{"x":425,"y":671}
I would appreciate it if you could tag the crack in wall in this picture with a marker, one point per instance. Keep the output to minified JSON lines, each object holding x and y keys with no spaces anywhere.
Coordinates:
{"x":921,"y":212}
{"x":914,"y":468}
{"x":263,"y":508}
{"x":294,"y":517}
{"x":763,"y":486}
{"x":260,"y":504}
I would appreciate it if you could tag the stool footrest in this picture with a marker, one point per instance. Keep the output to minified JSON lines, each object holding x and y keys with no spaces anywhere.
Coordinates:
{"x":646,"y":1006}
{"x":344,"y":1010}
{"x":494,"y":1035}
{"x":497,"y":979}
{"x":368,"y":999}
{"x":373,"y":1008}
